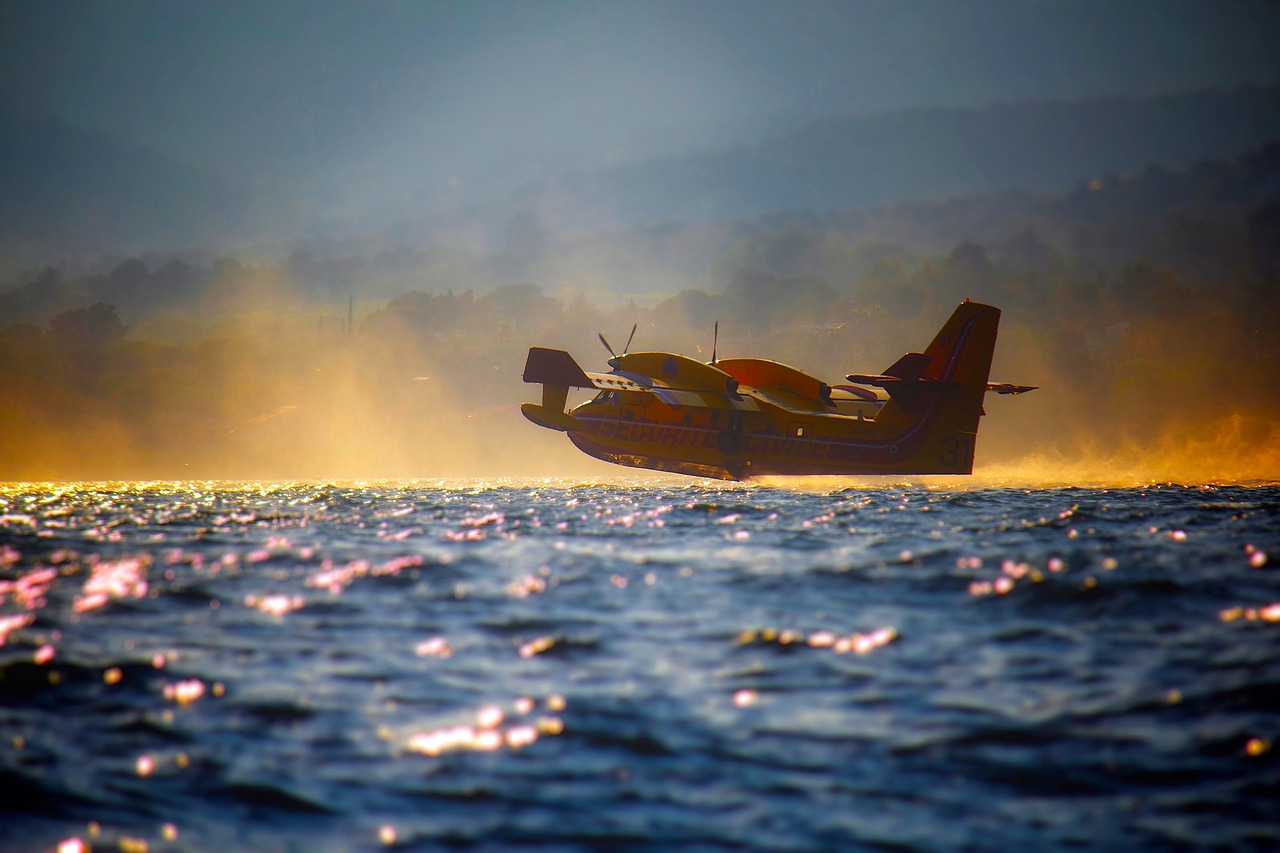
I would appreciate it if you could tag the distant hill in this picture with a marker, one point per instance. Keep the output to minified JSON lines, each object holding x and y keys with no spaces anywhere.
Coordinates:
{"x":67,"y":192}
{"x":858,"y":162}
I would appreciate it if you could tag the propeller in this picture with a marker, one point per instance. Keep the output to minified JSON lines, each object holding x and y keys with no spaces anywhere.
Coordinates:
{"x":715,"y":339}
{"x":625,"y":349}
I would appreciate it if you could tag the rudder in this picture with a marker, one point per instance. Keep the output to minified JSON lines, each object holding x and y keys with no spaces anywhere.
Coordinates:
{"x":946,"y":399}
{"x":961,"y":352}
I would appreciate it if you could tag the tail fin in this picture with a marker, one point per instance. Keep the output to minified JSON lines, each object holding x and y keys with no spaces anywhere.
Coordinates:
{"x":961,"y":352}
{"x":941,"y":389}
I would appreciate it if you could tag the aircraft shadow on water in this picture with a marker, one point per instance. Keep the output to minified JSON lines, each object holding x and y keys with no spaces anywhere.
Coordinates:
{"x":737,"y":418}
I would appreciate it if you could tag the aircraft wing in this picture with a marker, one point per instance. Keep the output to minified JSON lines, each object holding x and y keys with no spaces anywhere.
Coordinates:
{"x":615,"y":382}
{"x":888,"y":382}
{"x":557,"y":368}
{"x":877,"y":379}
{"x":671,"y":395}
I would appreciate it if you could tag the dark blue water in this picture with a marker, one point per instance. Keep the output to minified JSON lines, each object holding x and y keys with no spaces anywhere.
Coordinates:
{"x":672,"y":666}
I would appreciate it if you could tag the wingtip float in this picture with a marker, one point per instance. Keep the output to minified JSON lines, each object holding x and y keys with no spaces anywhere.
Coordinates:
{"x":737,"y":418}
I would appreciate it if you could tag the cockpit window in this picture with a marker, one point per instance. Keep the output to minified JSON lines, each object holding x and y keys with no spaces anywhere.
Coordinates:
{"x":606,"y":397}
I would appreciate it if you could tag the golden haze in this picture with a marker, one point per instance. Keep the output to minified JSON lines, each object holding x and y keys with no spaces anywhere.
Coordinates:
{"x":266,"y":384}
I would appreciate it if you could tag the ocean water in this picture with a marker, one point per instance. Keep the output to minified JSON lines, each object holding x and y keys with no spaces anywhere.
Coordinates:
{"x":654,"y":666}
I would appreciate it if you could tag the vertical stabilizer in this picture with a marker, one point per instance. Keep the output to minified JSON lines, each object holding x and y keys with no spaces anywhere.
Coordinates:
{"x":946,"y":399}
{"x":961,"y":352}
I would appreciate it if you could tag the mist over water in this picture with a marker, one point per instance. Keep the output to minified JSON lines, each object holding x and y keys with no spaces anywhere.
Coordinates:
{"x":258,"y":379}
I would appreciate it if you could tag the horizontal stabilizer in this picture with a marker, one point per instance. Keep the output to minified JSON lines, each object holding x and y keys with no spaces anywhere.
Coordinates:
{"x":1007,"y":388}
{"x":910,"y":366}
{"x":877,"y":379}
{"x":554,"y":367}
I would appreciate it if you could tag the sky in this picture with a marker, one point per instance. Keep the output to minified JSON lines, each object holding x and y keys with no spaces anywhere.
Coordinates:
{"x":382,"y":99}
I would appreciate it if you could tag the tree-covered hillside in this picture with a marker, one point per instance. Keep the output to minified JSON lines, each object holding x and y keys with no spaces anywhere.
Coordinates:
{"x":1143,"y":305}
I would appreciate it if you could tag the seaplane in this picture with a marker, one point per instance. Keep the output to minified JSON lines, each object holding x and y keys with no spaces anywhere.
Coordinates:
{"x":738,"y":418}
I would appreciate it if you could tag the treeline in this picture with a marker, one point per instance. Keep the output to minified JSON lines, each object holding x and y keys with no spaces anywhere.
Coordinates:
{"x":428,"y":383}
{"x":226,"y":285}
{"x":408,"y":363}
{"x":1218,"y":217}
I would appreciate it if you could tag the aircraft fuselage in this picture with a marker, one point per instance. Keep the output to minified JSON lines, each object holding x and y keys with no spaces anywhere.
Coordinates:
{"x":743,"y":417}
{"x":638,"y":430}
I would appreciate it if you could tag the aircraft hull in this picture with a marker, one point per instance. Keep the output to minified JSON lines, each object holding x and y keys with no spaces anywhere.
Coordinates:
{"x":760,"y":445}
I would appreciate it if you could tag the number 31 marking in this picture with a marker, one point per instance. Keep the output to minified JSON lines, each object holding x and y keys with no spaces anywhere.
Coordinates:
{"x":956,"y":449}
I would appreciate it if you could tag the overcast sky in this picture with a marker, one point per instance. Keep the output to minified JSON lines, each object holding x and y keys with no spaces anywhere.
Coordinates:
{"x":367,"y":88}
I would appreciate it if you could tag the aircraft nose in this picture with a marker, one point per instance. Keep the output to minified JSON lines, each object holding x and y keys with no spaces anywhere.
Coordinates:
{"x":614,"y":362}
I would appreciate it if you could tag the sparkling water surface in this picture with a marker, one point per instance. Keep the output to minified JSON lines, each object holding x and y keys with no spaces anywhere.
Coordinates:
{"x":552,"y":666}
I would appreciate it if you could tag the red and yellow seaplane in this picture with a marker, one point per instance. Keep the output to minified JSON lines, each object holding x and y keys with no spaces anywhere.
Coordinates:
{"x":737,"y":418}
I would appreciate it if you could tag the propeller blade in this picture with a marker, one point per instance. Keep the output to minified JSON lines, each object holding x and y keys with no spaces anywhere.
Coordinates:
{"x":715,"y":340}
{"x":606,"y":346}
{"x":627,"y":348}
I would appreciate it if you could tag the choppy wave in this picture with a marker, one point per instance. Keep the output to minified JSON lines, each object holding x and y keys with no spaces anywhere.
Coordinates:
{"x":666,"y":666}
